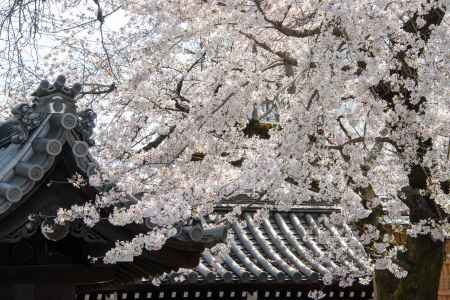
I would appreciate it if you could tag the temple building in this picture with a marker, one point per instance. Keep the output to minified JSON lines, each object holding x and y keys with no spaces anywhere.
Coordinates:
{"x":41,"y":146}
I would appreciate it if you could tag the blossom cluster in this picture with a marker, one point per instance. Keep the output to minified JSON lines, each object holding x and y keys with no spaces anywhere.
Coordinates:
{"x":358,"y":94}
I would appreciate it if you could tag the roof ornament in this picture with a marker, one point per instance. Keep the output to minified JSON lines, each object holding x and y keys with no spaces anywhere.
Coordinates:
{"x":54,"y":98}
{"x":36,"y":133}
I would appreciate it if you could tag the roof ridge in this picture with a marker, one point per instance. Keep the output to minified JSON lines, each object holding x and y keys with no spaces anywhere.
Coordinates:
{"x":35,"y":134}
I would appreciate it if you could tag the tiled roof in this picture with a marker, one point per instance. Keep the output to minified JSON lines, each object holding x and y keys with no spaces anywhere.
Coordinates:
{"x":287,"y":246}
{"x":282,"y":257}
{"x":30,"y":141}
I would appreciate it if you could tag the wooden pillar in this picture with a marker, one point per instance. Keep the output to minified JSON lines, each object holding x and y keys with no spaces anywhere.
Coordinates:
{"x":444,"y":283}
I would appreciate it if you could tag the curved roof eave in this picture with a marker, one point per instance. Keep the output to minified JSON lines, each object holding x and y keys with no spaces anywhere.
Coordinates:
{"x":35,"y":137}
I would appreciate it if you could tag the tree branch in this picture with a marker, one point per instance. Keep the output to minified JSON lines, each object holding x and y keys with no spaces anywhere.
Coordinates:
{"x":178,"y":96}
{"x":362,"y":140}
{"x":285,"y":57}
{"x":278,"y":25}
{"x":95,"y":91}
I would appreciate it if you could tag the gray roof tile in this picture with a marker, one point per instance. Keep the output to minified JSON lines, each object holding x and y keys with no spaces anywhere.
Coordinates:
{"x":284,"y":248}
{"x":35,"y":135}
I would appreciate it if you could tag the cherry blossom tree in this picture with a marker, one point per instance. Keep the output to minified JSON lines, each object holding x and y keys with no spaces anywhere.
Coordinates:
{"x":341,"y":102}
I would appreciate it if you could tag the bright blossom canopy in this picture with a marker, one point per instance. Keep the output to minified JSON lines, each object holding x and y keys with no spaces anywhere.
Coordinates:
{"x":356,"y":94}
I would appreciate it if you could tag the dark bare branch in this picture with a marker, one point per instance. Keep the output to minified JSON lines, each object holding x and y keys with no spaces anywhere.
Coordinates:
{"x":178,"y":90}
{"x":362,"y":140}
{"x":347,"y":134}
{"x":278,"y":25}
{"x":97,"y":91}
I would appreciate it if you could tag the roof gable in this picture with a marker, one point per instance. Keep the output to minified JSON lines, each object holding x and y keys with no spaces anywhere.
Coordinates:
{"x":32,"y":138}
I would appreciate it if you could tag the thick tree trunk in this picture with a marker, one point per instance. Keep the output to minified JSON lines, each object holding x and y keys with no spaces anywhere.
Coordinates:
{"x":424,"y":259}
{"x":385,"y":285}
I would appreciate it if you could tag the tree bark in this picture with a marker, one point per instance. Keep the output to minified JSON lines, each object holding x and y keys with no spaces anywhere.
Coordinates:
{"x":385,"y":285}
{"x":424,"y":260}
